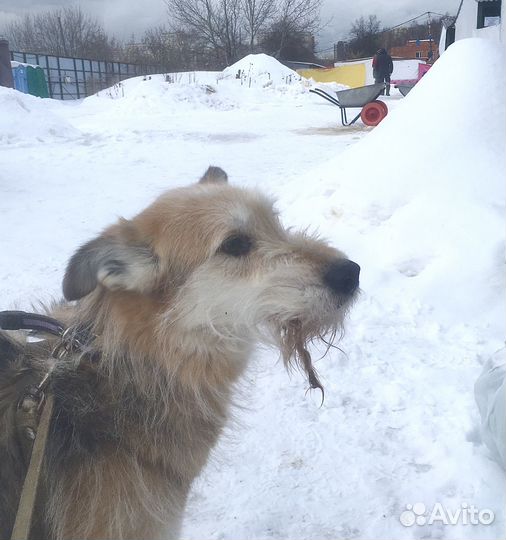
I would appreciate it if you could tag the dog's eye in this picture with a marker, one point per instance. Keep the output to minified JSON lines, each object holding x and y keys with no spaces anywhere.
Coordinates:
{"x":237,"y":245}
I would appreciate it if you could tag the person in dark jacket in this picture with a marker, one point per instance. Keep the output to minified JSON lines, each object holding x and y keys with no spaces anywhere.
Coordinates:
{"x":382,"y":67}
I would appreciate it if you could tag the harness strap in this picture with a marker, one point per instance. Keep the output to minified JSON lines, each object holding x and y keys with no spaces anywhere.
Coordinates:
{"x":34,"y":410}
{"x":24,"y":516}
{"x":33,"y":413}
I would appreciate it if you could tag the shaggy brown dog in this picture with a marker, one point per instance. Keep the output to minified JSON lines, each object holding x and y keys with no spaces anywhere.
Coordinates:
{"x":173,"y":302}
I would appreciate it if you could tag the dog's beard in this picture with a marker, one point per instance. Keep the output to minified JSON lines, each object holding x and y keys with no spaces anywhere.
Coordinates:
{"x":288,"y":317}
{"x":297,"y":336}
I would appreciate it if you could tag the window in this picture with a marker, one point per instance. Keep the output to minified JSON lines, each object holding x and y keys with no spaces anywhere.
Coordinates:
{"x":450,"y":36}
{"x":418,"y":54}
{"x":489,"y":13}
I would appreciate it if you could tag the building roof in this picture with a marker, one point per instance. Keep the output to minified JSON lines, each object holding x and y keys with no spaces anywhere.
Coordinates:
{"x":297,"y":63}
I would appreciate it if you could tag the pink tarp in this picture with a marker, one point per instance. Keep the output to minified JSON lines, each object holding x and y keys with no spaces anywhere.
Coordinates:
{"x":422,"y":69}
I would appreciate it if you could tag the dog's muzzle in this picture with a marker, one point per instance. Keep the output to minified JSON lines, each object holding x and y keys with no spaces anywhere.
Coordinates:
{"x":342,"y":276}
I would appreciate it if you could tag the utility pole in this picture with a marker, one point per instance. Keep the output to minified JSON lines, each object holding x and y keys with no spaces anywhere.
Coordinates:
{"x":431,"y":54}
{"x":62,"y":36}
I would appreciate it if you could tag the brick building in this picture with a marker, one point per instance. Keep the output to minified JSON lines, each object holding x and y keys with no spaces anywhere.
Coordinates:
{"x":416,"y":48}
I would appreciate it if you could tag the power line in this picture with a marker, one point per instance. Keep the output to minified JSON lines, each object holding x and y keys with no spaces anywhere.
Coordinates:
{"x":325,"y":50}
{"x":425,"y":14}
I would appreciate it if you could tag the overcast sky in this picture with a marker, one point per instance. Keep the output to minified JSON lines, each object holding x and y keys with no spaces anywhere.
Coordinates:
{"x":126,"y":17}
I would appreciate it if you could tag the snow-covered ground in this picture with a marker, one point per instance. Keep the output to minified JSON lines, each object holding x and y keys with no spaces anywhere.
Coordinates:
{"x":417,"y":201}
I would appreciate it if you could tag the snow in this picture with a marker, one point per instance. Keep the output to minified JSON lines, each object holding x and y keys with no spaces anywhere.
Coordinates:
{"x":418,"y":202}
{"x":15,"y":64}
{"x":261,"y":69}
{"x":27,"y":118}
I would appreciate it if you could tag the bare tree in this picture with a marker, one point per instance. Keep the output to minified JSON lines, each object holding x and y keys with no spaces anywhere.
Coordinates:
{"x":216,"y":22}
{"x":171,"y":50}
{"x":63,"y":32}
{"x":256,"y":15}
{"x":365,"y":36}
{"x":274,"y":22}
{"x":230,"y":24}
{"x":295,"y":22}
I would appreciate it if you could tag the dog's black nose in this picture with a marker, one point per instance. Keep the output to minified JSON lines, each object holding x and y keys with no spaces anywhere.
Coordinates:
{"x":342,"y":276}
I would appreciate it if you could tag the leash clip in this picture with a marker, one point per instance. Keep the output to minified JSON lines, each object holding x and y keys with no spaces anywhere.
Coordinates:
{"x":68,"y":344}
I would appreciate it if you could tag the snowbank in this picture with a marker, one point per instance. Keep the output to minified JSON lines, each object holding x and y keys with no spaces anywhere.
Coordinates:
{"x":157,"y":93}
{"x":420,"y":201}
{"x":261,"y":70}
{"x":262,"y":78}
{"x":256,"y":71}
{"x":24,"y":118}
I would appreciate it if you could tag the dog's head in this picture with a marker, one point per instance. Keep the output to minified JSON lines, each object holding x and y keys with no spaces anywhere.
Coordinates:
{"x":219,"y":263}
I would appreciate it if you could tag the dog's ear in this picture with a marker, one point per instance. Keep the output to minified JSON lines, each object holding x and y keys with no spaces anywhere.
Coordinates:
{"x":214,"y":175}
{"x":112,"y":261}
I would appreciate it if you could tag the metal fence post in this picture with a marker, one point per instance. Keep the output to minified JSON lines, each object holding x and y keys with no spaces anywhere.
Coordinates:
{"x":59,"y":76}
{"x":49,"y":82}
{"x":75,"y":78}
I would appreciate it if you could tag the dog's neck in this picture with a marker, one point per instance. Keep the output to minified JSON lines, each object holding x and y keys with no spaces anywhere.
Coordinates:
{"x":166,"y":400}
{"x":129,"y":326}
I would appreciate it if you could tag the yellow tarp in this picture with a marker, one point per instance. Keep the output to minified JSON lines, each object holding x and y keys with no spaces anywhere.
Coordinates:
{"x":352,"y":75}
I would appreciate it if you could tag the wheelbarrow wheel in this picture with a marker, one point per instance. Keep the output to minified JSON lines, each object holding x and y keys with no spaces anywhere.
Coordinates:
{"x":372,"y":114}
{"x":383,"y":105}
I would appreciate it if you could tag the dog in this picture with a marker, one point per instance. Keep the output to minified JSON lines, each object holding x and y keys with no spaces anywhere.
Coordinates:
{"x":173,"y":302}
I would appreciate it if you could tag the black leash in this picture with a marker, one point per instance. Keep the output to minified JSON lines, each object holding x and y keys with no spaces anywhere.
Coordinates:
{"x":21,"y":320}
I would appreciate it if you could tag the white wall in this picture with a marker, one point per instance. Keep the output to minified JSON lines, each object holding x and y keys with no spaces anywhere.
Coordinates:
{"x":406,"y":69}
{"x":403,"y":69}
{"x":491,"y":32}
{"x":503,"y":22}
{"x":466,"y":22}
{"x":465,"y":27}
{"x":442,"y":40}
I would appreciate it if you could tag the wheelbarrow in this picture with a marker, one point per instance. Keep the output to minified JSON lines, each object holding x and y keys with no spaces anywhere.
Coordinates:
{"x":373,"y":111}
{"x":405,"y":89}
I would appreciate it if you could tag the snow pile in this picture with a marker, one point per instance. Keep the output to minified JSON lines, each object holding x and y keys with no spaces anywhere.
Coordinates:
{"x":329,"y":87}
{"x":162,"y":93}
{"x":24,"y":117}
{"x":200,"y":90}
{"x":159,"y":84}
{"x":261,"y":70}
{"x":262,"y":80}
{"x":422,"y":212}
{"x":15,"y":64}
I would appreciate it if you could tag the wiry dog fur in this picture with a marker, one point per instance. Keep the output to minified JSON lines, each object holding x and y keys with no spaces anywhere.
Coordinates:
{"x":172,"y":302}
